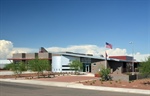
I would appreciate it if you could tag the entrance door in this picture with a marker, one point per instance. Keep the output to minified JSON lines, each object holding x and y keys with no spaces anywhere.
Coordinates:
{"x":87,"y":68}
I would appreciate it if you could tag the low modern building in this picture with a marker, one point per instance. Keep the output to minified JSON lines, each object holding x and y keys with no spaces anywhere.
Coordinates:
{"x":60,"y":61}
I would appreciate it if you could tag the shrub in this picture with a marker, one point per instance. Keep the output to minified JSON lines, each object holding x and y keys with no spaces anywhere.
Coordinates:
{"x":94,"y":81}
{"x":8,"y":67}
{"x":128,"y":73}
{"x":144,"y":67}
{"x":105,"y":74}
{"x":110,"y":82}
{"x":119,"y":81}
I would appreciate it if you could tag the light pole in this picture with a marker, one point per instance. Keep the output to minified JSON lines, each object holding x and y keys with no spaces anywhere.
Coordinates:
{"x":132,"y":57}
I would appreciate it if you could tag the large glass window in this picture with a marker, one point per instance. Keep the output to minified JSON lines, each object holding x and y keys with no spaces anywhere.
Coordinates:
{"x":85,"y":60}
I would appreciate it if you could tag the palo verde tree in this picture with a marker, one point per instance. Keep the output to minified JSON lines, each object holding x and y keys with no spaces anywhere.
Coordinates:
{"x":38,"y":65}
{"x":144,"y":67}
{"x":76,"y":65}
{"x":17,"y":67}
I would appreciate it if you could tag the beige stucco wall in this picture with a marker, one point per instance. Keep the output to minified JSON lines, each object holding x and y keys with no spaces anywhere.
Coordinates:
{"x":17,"y":56}
{"x":30,"y":55}
{"x":43,"y":55}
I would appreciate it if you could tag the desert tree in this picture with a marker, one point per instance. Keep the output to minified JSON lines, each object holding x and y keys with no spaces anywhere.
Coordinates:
{"x":144,"y":67}
{"x":38,"y":65}
{"x":76,"y":65}
{"x":17,"y":67}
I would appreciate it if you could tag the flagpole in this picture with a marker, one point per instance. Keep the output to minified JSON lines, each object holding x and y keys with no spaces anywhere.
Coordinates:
{"x":105,"y":60}
{"x":107,"y":45}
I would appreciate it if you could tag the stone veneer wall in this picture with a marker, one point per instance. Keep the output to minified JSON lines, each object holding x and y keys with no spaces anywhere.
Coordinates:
{"x":123,"y":77}
{"x":96,"y":66}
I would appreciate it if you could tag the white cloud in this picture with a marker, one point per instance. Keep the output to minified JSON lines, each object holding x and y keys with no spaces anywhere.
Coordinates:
{"x":141,"y":57}
{"x":23,"y":50}
{"x":89,"y":49}
{"x":117,"y":52}
{"x":7,"y":49}
{"x":95,"y":50}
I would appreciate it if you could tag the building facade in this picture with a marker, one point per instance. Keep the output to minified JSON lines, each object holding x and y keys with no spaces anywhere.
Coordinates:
{"x":60,"y":61}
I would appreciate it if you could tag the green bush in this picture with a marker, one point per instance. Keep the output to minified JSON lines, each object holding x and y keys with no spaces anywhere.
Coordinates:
{"x":8,"y":67}
{"x":144,"y":67}
{"x":105,"y":74}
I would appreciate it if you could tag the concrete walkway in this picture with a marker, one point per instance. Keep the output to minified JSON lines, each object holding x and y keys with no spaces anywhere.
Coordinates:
{"x":77,"y":85}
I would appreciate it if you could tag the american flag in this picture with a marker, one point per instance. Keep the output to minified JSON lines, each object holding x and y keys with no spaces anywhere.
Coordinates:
{"x":108,"y":45}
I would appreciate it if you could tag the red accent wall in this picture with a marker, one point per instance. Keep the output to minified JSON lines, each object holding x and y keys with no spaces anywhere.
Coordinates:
{"x":119,"y":57}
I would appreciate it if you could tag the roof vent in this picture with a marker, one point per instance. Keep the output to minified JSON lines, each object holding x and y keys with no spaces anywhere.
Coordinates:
{"x":43,"y":50}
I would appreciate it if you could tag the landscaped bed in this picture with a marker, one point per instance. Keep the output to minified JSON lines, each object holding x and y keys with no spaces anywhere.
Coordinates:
{"x":136,"y":84}
{"x":18,"y":76}
{"x":34,"y":75}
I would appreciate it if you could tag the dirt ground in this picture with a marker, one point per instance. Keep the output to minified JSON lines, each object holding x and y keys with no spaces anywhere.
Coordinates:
{"x":136,"y":84}
{"x":15,"y":76}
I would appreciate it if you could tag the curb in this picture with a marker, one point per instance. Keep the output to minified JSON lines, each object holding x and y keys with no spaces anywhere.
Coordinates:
{"x":78,"y":86}
{"x":124,"y":90}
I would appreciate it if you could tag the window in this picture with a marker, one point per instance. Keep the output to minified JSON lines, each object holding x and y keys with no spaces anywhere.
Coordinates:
{"x":67,"y":69}
{"x":65,"y":65}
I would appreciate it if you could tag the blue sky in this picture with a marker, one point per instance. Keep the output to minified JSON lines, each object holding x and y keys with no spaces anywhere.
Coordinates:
{"x":62,"y":23}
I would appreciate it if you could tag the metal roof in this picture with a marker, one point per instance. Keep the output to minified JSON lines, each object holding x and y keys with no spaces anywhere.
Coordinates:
{"x":119,"y":60}
{"x":80,"y":55}
{"x":93,"y":57}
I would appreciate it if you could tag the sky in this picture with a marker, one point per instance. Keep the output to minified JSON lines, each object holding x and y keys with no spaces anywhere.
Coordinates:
{"x":82,"y":26}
